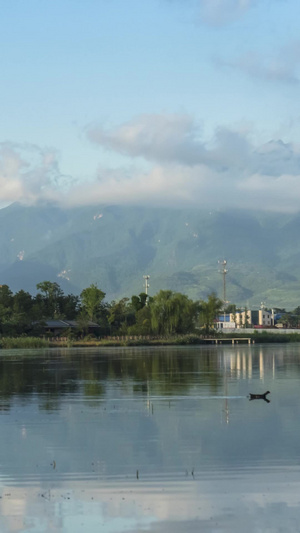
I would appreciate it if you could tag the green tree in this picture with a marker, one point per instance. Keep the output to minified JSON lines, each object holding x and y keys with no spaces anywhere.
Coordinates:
{"x":6,"y":310}
{"x":6,"y":297}
{"x":230,"y":309}
{"x":290,"y":319}
{"x":82,"y":323}
{"x":22,"y":303}
{"x":22,"y":316}
{"x":121,"y":316}
{"x":142,"y":324}
{"x":138,"y":302}
{"x":91,"y":301}
{"x":209,"y":311}
{"x":69,"y":305}
{"x":172,"y":313}
{"x":38,"y":308}
{"x":51,"y":294}
{"x":50,"y":289}
{"x":246,"y":318}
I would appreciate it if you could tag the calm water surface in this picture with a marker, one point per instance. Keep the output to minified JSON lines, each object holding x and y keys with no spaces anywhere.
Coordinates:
{"x":158,"y":440}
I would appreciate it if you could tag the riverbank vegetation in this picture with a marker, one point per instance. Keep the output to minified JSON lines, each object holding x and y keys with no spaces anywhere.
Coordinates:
{"x":165,"y":318}
{"x":263,"y":337}
{"x":167,"y":313}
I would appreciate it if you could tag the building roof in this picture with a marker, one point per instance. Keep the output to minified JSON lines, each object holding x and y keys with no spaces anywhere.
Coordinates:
{"x":64,"y":324}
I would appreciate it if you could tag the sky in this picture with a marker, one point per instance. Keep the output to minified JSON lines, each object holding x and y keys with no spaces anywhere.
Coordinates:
{"x":184,"y":103}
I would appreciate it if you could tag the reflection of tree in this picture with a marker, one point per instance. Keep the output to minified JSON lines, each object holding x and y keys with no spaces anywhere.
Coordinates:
{"x":167,"y":372}
{"x":61,"y":372}
{"x":172,"y":371}
{"x":23,"y":375}
{"x":92,"y":386}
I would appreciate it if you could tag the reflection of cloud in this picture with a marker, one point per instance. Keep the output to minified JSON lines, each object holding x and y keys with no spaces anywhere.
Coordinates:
{"x":13,"y":509}
{"x":250,"y":502}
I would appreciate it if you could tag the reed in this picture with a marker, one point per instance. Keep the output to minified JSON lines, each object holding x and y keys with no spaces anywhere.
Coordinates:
{"x":23,"y":342}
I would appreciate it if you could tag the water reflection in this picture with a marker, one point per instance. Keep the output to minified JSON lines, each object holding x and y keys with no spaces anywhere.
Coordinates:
{"x":77,"y":426}
{"x":165,"y":371}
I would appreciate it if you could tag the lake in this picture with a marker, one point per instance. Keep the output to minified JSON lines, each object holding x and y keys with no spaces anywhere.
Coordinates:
{"x":150,"y":439}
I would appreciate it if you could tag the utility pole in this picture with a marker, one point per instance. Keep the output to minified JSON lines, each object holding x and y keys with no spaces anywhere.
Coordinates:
{"x":146,"y":278}
{"x":224,"y":272}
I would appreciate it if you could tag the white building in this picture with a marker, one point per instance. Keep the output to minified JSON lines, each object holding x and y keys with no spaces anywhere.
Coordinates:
{"x":242,"y":319}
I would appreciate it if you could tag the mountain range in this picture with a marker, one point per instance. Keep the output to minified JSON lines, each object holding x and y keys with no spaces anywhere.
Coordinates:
{"x":180,"y":249}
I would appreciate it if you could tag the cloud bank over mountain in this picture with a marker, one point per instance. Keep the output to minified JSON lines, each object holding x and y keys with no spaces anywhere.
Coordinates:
{"x":228,"y":170}
{"x":180,"y":168}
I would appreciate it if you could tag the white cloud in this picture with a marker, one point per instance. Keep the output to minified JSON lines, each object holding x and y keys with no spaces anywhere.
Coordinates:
{"x":219,"y":12}
{"x":280,"y":66}
{"x":172,"y":139}
{"x":198,"y":186}
{"x":28,"y":173}
{"x":228,"y":170}
{"x":183,"y":169}
{"x":175,"y":139}
{"x":164,"y":137}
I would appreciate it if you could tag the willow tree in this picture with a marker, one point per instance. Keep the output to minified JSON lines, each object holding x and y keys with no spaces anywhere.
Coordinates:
{"x":172,"y":313}
{"x":209,"y":311}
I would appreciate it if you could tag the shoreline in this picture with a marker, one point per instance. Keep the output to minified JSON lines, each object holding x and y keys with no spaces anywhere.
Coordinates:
{"x":258,"y":337}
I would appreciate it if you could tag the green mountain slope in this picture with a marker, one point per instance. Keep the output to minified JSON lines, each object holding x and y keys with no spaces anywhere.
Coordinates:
{"x":179,"y":248}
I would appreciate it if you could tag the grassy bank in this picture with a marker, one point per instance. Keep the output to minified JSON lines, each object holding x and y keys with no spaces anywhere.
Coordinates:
{"x":183,"y":340}
{"x":179,"y":340}
{"x":264,"y":337}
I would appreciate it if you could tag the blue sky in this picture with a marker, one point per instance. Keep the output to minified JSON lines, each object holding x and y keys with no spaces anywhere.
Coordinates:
{"x":159,"y":102}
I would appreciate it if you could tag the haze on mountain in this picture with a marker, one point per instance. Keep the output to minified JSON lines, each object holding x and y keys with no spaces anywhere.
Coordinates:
{"x":115,"y":246}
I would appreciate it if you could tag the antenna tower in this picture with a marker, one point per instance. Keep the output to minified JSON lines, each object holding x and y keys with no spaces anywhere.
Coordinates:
{"x":146,"y":278}
{"x":224,"y":272}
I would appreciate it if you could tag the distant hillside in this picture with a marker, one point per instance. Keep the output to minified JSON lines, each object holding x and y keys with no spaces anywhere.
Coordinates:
{"x":179,"y":248}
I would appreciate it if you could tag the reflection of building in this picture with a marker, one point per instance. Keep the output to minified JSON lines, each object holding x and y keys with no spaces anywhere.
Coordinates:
{"x":244,"y":363}
{"x":261,"y":364}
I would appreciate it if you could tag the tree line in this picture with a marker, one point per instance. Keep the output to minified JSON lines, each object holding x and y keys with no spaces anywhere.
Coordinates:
{"x":166,"y":313}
